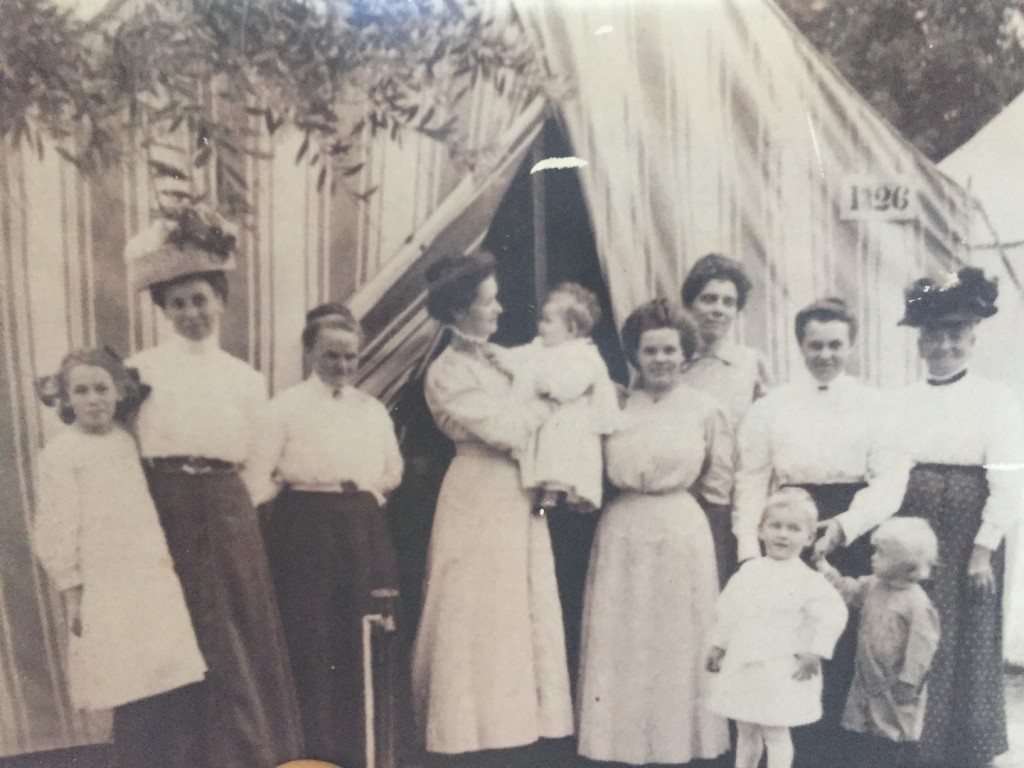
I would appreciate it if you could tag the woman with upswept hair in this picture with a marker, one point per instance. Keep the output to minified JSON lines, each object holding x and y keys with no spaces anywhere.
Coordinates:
{"x":652,"y":581}
{"x":489,"y":668}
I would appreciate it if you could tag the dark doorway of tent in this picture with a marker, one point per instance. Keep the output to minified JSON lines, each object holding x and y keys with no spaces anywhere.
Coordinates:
{"x":542,"y":236}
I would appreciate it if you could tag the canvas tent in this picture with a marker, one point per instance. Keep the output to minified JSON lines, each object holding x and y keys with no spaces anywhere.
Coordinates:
{"x":704,"y":127}
{"x":991,"y":166}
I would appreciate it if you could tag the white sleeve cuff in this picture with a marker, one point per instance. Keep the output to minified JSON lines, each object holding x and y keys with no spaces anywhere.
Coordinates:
{"x":989,"y":536}
{"x":747,"y":547}
{"x":66,"y":580}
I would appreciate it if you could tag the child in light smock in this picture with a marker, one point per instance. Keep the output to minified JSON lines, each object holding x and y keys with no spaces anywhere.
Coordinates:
{"x":896,"y":641}
{"x":776,"y":620}
{"x":98,"y":537}
{"x":563,"y":463}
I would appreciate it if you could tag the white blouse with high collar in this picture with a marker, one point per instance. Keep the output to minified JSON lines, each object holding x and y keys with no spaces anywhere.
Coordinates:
{"x":804,"y":433}
{"x":205,"y":402}
{"x":321,"y":436}
{"x":972,"y":421}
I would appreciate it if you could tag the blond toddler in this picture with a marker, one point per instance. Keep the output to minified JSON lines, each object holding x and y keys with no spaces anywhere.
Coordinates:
{"x":896,"y":641}
{"x":776,"y":620}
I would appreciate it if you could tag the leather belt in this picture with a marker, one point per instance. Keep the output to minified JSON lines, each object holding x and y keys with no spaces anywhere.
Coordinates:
{"x":345,"y":486}
{"x":191,"y":465}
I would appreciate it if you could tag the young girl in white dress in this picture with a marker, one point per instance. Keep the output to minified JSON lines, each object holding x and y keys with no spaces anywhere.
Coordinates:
{"x":563,"y":462}
{"x":98,"y":537}
{"x":776,"y":620}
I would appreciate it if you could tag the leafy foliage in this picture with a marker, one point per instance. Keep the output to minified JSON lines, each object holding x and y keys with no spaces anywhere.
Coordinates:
{"x":938,"y":70}
{"x":223,"y":71}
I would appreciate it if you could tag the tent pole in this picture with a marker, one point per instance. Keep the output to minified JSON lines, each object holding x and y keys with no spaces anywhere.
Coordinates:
{"x":540,"y":239}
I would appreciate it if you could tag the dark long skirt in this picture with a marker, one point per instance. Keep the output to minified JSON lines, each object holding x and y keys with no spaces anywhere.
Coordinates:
{"x":572,"y":534}
{"x":142,"y":738}
{"x":720,"y":522}
{"x":820,"y":744}
{"x":245,"y":713}
{"x":965,"y":715}
{"x":328,"y":552}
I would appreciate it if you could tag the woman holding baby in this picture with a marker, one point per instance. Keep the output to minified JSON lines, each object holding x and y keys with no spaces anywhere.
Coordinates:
{"x":489,"y":666}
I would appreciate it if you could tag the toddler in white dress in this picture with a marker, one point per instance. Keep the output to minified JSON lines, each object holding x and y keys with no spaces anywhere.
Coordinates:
{"x":897,"y":638}
{"x":775,"y":621}
{"x":97,"y":535}
{"x":563,"y":461}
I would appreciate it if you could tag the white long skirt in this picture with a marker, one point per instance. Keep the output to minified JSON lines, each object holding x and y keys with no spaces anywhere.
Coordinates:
{"x":649,"y":604}
{"x":489,"y":668}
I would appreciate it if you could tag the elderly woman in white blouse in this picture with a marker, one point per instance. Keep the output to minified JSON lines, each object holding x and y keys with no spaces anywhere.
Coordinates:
{"x":335,"y":456}
{"x":198,"y":434}
{"x":827,"y":434}
{"x":965,"y":435}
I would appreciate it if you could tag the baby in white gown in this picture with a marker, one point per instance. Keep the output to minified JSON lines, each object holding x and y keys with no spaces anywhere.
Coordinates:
{"x":563,"y":463}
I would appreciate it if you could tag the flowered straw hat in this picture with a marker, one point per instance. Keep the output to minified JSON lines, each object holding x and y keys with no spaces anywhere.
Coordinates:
{"x":967,"y":296}
{"x":191,"y":240}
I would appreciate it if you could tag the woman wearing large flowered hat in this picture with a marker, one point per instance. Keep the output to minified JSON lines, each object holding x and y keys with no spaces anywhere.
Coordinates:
{"x":964,"y":434}
{"x":198,"y":434}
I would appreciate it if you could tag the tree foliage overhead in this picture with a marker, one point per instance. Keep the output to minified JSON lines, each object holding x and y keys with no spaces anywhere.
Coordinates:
{"x":339,"y":70}
{"x":938,"y":70}
{"x":345,"y":70}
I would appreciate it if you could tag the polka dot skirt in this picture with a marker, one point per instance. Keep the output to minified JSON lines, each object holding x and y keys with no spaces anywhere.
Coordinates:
{"x":965,"y":716}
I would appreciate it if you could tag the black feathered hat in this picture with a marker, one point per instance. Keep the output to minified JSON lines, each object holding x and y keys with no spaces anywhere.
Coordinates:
{"x":967,"y":296}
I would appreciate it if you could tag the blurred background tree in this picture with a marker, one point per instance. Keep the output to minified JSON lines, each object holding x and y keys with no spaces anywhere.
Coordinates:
{"x":222,"y":73}
{"x":938,"y":70}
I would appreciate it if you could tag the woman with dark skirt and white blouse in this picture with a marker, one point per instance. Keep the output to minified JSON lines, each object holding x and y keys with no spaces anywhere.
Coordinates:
{"x":831,"y":435}
{"x":965,"y":436}
{"x":198,"y":433}
{"x":335,"y":458}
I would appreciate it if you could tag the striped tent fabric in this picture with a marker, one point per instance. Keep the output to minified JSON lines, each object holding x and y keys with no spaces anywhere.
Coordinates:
{"x":704,"y":127}
{"x":715,"y":127}
{"x":63,"y":285}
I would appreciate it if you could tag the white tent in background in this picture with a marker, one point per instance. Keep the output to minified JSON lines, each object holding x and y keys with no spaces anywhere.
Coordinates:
{"x":991,"y":166}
